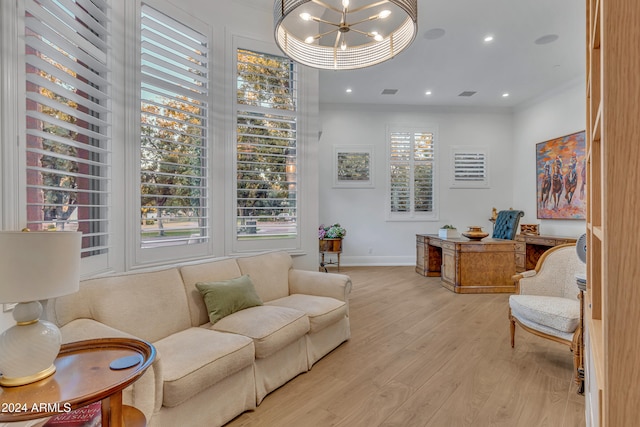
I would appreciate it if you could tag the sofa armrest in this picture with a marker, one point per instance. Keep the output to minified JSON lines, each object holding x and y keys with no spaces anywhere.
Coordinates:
{"x":337,"y":286}
{"x":146,"y":393}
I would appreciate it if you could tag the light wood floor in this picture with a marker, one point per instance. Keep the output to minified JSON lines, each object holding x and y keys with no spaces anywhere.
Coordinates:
{"x":421,"y":355}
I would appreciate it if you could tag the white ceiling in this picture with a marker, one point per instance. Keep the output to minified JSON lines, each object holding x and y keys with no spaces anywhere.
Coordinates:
{"x":461,"y":61}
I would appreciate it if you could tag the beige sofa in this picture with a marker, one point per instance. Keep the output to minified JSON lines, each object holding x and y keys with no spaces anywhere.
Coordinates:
{"x":205,"y":375}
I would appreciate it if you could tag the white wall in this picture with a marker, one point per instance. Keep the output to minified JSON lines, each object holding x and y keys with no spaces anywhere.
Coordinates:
{"x":559,"y":113}
{"x":371,"y":239}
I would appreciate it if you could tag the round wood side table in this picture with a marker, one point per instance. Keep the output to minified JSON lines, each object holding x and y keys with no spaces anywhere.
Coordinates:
{"x":83,"y":376}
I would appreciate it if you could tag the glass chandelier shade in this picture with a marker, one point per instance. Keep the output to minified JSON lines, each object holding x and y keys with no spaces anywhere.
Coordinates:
{"x":344,"y":34}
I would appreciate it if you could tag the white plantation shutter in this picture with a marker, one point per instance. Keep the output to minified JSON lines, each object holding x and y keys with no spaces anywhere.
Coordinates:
{"x":411,"y":174}
{"x":173,"y":144}
{"x":400,"y":179}
{"x":266,"y":149}
{"x":469,"y":167}
{"x":67,"y":118}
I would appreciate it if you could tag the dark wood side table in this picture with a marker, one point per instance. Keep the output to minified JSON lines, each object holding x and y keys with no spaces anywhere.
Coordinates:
{"x":83,"y":376}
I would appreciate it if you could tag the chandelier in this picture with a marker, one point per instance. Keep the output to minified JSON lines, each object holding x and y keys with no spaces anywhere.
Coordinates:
{"x":344,"y":34}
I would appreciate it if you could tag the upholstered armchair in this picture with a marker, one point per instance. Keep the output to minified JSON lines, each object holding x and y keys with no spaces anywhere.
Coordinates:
{"x":506,"y":224}
{"x":547,"y":302}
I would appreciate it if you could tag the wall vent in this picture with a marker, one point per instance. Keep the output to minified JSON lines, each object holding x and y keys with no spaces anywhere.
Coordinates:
{"x":467,"y":93}
{"x":389,"y":91}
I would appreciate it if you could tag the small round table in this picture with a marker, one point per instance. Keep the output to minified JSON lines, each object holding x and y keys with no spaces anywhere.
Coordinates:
{"x":83,"y":376}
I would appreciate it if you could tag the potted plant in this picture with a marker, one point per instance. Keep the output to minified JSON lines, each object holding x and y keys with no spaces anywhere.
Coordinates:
{"x":448,"y":232}
{"x":330,"y":237}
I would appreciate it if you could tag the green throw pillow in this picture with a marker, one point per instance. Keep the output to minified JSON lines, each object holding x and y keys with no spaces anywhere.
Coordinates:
{"x":228,"y":296}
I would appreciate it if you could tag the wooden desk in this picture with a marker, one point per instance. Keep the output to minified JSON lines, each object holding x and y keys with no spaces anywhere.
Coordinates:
{"x":468,"y":266}
{"x":82,"y":377}
{"x":531,"y":247}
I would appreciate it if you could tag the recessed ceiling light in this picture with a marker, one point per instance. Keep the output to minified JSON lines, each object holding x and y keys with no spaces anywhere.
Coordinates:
{"x":546,"y":39}
{"x":488,"y":39}
{"x":428,"y":92}
{"x":434,"y":33}
{"x":349,"y":90}
{"x":506,"y":94}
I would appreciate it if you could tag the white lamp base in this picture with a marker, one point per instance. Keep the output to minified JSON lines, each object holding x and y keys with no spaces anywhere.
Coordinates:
{"x":28,"y":349}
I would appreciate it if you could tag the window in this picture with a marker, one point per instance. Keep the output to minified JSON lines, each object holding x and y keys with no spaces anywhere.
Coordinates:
{"x":469,"y":167}
{"x":411,"y":175}
{"x":266,"y":146}
{"x":67,"y":119}
{"x":173,"y":132}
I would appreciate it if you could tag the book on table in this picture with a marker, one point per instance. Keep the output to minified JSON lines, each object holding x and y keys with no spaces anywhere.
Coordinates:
{"x":87,"y":416}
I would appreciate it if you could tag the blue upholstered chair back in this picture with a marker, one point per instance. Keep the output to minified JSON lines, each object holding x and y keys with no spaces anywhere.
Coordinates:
{"x":506,"y":224}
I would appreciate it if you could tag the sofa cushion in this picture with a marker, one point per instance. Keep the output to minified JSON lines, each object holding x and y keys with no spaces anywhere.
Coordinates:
{"x":271,"y":328}
{"x":150,"y":305}
{"x":322,"y":311}
{"x":269,"y":272}
{"x":209,"y":271}
{"x":228,"y":296}
{"x":558,"y":313}
{"x":197,"y":358}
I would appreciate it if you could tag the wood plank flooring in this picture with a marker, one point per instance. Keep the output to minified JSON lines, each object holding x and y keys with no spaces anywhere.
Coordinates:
{"x":421,"y":355}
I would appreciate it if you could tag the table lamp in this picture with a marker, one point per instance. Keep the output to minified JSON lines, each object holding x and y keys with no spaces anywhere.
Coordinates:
{"x":34,"y":266}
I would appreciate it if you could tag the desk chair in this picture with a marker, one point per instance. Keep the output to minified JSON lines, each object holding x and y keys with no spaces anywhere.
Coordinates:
{"x":506,"y":224}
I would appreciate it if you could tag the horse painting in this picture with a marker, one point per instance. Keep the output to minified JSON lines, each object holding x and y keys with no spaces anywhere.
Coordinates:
{"x":557,"y":192}
{"x":546,"y":186}
{"x":556,"y":186}
{"x":571,"y":180}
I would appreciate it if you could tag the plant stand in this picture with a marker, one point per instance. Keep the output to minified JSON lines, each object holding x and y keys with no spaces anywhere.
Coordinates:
{"x":329,"y":246}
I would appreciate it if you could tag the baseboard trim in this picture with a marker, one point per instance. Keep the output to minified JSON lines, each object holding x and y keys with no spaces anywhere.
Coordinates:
{"x":377,"y":261}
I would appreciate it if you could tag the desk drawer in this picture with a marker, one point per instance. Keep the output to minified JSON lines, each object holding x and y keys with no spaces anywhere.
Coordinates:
{"x":541,"y":241}
{"x":448,"y":245}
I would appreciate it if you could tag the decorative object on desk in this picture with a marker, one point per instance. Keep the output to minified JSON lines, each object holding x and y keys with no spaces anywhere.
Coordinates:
{"x":494,"y":215}
{"x":34,"y":266}
{"x":529,"y":229}
{"x":561,"y":177}
{"x":335,"y":35}
{"x":475,"y":233}
{"x":448,"y":232}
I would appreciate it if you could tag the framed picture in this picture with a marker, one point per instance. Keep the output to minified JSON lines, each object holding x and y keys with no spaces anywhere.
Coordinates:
{"x":353,"y":166}
{"x":561,"y":177}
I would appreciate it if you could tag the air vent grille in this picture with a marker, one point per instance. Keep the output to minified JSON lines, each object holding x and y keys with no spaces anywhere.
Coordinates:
{"x":467,"y":93}
{"x":389,"y":91}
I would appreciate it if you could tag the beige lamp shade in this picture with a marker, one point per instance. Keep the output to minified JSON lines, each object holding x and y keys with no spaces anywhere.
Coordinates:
{"x":34,"y":266}
{"x":38,"y":265}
